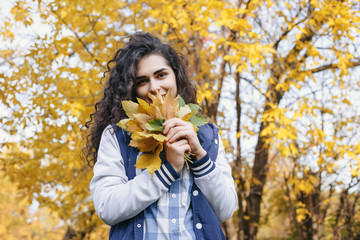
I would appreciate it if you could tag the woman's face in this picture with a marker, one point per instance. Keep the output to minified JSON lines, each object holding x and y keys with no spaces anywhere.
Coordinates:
{"x":154,"y":74}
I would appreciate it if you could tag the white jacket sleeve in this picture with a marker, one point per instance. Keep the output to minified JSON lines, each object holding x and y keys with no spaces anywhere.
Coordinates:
{"x":216,"y":183}
{"x":115,"y":198}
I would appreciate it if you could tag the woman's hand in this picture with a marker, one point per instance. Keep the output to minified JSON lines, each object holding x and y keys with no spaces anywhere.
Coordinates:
{"x":177,"y":129}
{"x":175,"y":153}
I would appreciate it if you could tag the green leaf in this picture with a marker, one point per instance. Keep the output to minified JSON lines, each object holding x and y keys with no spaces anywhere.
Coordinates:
{"x":194,"y":107}
{"x":198,"y":120}
{"x":181,"y":102}
{"x":155,"y":125}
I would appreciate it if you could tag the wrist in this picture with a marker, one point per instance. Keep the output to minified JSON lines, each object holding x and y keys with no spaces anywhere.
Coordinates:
{"x":178,"y":165}
{"x":200,"y":154}
{"x":178,"y":168}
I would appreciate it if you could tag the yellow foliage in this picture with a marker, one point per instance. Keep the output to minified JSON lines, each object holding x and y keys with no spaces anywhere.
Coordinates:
{"x":17,"y":221}
{"x":301,"y":214}
{"x":49,"y":87}
{"x":355,"y":172}
{"x":205,"y":92}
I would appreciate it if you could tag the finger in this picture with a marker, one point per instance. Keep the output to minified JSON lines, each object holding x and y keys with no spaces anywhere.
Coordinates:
{"x":180,"y":132}
{"x":181,"y":142}
{"x":172,"y":120}
{"x":187,"y":149}
{"x":183,"y":148}
{"x":176,"y":144}
{"x":168,"y":124}
{"x":177,"y":150}
{"x":176,"y":126}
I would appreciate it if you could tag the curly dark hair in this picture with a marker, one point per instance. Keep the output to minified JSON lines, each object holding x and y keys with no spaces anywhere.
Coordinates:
{"x":120,"y":85}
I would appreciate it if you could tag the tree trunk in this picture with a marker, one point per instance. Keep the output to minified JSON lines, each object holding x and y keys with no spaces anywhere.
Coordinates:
{"x":260,"y":168}
{"x":256,"y":185}
{"x":229,"y":229}
{"x":70,"y":234}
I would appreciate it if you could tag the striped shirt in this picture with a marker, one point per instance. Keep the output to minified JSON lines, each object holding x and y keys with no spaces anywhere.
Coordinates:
{"x":171,"y":217}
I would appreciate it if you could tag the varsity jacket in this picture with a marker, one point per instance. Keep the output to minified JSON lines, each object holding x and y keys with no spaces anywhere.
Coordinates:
{"x":210,"y":205}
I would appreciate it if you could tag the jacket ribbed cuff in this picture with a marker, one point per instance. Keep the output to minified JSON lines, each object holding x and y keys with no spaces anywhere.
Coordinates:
{"x":167,"y":174}
{"x":202,"y":166}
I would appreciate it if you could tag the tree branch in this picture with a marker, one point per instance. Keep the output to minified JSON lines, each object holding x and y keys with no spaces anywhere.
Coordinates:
{"x":276,"y":45}
{"x":249,"y":81}
{"x":330,"y":66}
{"x":77,"y":36}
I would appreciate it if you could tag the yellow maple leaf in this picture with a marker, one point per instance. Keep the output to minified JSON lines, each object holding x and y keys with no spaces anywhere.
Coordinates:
{"x":144,"y":107}
{"x":142,"y":119}
{"x":170,"y":106}
{"x":188,"y":116}
{"x":155,"y":99}
{"x":156,"y":112}
{"x":131,"y":125}
{"x":130,"y":108}
{"x":158,"y":137}
{"x":156,"y":105}
{"x":150,"y":160}
{"x":123,"y":123}
{"x":145,"y":144}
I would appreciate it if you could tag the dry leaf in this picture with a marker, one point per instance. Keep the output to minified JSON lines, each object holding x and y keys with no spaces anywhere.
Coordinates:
{"x":144,"y":107}
{"x":145,"y":125}
{"x":130,"y":108}
{"x":150,"y":160}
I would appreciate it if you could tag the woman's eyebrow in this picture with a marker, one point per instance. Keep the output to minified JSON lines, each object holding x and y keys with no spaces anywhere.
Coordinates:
{"x":156,"y":72}
{"x":140,"y":77}
{"x":160,"y":70}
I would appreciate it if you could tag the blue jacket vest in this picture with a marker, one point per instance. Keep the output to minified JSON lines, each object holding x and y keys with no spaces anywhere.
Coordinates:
{"x":202,"y":211}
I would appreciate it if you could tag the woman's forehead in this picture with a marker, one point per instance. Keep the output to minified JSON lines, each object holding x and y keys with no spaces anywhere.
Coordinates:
{"x":151,"y":63}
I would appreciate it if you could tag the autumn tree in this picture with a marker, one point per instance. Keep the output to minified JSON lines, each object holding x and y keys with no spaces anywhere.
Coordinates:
{"x":328,"y":162}
{"x":19,"y":221}
{"x":269,"y":60}
{"x":312,"y":49}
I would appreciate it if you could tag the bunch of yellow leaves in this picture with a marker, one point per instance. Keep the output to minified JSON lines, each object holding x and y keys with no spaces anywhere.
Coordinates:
{"x":145,"y":121}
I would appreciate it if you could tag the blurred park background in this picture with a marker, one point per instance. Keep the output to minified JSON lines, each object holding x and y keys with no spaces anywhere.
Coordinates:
{"x":281,"y":78}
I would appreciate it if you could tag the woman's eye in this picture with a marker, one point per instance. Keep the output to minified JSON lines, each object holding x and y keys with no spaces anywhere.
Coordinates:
{"x":161,"y":75}
{"x":140,"y":81}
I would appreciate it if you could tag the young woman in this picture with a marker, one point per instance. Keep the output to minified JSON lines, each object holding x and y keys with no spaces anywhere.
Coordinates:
{"x":176,"y":202}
